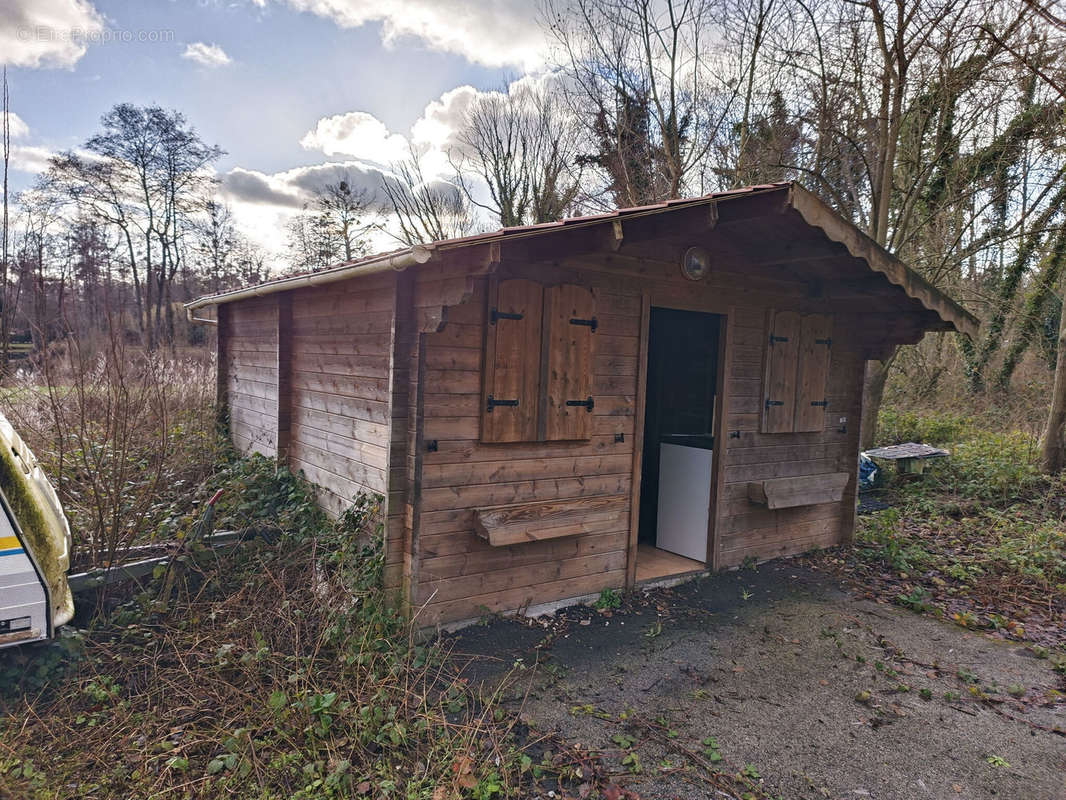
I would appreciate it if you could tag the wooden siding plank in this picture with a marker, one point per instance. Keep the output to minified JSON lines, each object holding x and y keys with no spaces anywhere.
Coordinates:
{"x":637,"y":454}
{"x":520,"y":597}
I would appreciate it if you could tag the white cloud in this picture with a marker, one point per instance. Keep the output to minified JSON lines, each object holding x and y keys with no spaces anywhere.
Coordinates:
{"x":264,"y":203}
{"x":293,"y":188}
{"x":434,"y":132}
{"x":18,"y":127}
{"x":30,"y":159}
{"x":47,"y":33}
{"x":206,"y":55}
{"x":362,"y":136}
{"x":357,"y":134}
{"x":498,"y":33}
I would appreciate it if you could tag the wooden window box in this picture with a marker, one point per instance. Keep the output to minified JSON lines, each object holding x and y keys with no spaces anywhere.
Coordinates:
{"x":534,"y":522}
{"x":805,"y":490}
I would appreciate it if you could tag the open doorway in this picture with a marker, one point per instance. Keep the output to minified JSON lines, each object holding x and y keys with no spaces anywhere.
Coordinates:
{"x":675,"y":485}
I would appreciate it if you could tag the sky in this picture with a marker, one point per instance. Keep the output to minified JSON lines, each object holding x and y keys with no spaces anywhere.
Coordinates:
{"x":295,"y":91}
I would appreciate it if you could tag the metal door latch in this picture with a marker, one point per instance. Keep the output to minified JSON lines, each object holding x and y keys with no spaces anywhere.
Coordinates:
{"x":588,"y":404}
{"x":496,"y":314}
{"x":591,"y":323}
{"x":491,"y":403}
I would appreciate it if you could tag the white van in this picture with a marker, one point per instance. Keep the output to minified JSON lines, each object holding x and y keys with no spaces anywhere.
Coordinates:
{"x":35,"y":598}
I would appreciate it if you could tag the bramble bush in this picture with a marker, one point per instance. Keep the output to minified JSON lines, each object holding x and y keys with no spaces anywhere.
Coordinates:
{"x":279,"y":670}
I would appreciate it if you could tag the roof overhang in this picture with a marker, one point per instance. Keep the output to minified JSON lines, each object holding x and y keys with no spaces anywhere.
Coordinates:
{"x":535,"y":241}
{"x":837,"y":229}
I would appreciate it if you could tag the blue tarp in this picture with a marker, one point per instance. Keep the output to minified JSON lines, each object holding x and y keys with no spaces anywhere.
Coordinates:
{"x":867,"y":472}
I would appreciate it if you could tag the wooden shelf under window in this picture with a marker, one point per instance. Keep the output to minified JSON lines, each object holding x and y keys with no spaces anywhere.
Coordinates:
{"x":804,"y":490}
{"x":534,"y":522}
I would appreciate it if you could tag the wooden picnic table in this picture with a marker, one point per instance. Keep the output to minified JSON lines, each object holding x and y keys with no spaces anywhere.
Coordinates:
{"x":910,"y":457}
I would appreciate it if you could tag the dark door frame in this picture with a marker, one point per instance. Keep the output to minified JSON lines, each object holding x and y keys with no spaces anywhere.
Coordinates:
{"x":725,"y":364}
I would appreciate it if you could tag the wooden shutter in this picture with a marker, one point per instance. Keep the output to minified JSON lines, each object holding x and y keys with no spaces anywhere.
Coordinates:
{"x":512,"y":361}
{"x":813,"y":373}
{"x":779,"y":384}
{"x":570,"y":333}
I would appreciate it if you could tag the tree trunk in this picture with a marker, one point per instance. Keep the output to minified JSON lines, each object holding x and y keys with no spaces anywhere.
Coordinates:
{"x":873,"y":390}
{"x":1053,"y":447}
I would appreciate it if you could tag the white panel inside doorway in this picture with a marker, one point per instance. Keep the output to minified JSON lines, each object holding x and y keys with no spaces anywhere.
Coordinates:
{"x":684,"y":500}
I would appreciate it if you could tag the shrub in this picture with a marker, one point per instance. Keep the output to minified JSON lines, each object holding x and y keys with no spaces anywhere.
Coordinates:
{"x":123,"y":434}
{"x":992,"y":467}
{"x":280,"y":670}
{"x":1036,"y":550}
{"x":884,"y":530}
{"x":896,"y":426}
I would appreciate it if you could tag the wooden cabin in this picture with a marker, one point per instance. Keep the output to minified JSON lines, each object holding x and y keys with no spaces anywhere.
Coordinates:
{"x":559,"y":409}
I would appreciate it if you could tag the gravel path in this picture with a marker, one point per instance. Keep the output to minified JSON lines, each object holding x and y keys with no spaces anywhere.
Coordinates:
{"x":819,"y":694}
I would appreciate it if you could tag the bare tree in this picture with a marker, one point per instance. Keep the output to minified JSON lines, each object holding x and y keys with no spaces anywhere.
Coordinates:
{"x":214,"y":243}
{"x":424,"y":210}
{"x":522,"y":146}
{"x":899,"y":135}
{"x":41,"y":215}
{"x":312,"y":242}
{"x":142,"y":175}
{"x":348,"y":211}
{"x":333,"y":227}
{"x":645,"y":87}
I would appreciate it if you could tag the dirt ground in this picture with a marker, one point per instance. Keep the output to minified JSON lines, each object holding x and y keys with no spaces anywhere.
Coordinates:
{"x":779,"y":673}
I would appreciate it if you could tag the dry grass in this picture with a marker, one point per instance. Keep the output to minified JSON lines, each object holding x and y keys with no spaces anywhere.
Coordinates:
{"x":117,"y":430}
{"x":278,"y":671}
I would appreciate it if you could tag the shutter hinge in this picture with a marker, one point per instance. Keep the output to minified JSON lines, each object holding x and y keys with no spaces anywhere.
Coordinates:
{"x":498,"y":315}
{"x":491,"y":403}
{"x":591,"y":323}
{"x":822,"y":403}
{"x":774,"y":403}
{"x":826,"y":342}
{"x":588,"y":404}
{"x":777,"y":339}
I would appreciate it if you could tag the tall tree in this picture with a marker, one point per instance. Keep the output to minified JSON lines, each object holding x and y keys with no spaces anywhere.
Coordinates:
{"x":332,"y":227}
{"x":143,"y":175}
{"x":214,"y":244}
{"x":41,"y":218}
{"x":911,"y":86}
{"x":347,"y":211}
{"x":645,"y":86}
{"x":521,"y":145}
{"x":422,"y":209}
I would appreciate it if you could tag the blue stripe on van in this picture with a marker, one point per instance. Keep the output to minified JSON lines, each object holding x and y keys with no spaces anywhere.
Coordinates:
{"x":14,"y":552}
